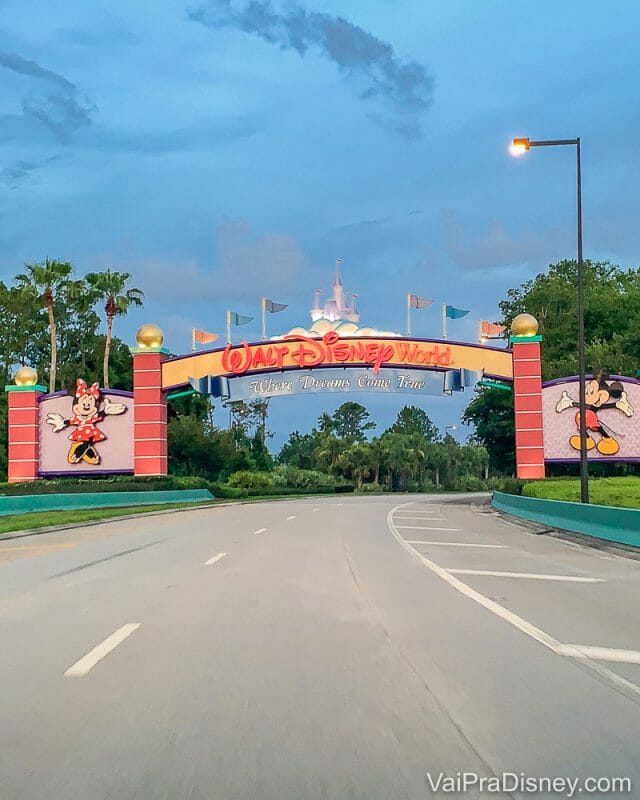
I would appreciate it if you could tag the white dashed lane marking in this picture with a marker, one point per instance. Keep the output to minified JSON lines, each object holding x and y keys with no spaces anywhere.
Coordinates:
{"x":88,"y":662}
{"x":260,"y":530}
{"x":214,"y":559}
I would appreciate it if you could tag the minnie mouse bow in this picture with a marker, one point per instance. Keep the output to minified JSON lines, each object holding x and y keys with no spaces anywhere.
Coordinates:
{"x":82,"y":389}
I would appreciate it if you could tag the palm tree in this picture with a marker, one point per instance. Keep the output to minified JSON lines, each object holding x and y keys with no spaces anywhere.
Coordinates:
{"x":112,"y":288}
{"x":48,"y":279}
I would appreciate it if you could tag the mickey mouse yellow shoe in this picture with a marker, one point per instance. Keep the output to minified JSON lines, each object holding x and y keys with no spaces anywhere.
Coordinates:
{"x":574,"y":441}
{"x":608,"y":446}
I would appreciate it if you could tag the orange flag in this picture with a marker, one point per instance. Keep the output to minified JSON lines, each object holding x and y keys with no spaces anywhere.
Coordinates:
{"x":491,"y":329}
{"x":202,"y":337}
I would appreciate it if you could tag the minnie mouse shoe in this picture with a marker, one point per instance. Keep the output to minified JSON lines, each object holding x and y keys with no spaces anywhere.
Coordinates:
{"x":72,"y":456}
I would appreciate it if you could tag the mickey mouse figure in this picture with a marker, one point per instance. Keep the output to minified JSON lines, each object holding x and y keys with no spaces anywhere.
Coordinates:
{"x":86,"y":416}
{"x":598,"y":394}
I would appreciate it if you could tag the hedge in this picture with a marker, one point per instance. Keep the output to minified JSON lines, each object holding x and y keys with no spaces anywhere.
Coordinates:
{"x":120,"y":483}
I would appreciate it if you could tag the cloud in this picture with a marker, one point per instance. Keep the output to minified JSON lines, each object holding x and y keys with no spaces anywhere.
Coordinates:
{"x":495,"y":248}
{"x":52,"y":102}
{"x":245,"y":266}
{"x":13,"y":175}
{"x":250,"y":262}
{"x":404,"y":85}
{"x":200,"y":135}
{"x":16,"y":173}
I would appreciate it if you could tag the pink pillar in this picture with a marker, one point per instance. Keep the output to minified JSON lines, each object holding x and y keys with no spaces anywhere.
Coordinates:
{"x":149,"y":412}
{"x":527,"y":396}
{"x":23,"y":432}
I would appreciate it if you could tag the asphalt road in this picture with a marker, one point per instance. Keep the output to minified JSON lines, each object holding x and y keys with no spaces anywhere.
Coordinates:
{"x":355,"y":648}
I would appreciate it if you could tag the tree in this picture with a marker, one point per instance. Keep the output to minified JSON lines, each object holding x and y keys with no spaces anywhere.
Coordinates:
{"x":111,"y":287}
{"x":355,"y":463}
{"x":612,"y":316}
{"x":491,"y":413}
{"x":23,"y":327}
{"x":299,"y":450}
{"x":414,"y":420}
{"x":48,"y":278}
{"x":402,"y":457}
{"x":612,"y":327}
{"x":351,"y":421}
{"x":196,"y":449}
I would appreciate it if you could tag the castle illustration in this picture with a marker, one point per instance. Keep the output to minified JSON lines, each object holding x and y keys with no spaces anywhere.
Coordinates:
{"x":336,"y":309}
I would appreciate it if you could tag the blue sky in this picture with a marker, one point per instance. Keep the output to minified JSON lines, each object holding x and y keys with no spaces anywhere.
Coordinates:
{"x":222,"y":149}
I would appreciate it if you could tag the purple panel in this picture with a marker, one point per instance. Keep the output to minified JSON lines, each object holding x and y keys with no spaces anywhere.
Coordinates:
{"x":561,"y":426}
{"x":116,"y":451}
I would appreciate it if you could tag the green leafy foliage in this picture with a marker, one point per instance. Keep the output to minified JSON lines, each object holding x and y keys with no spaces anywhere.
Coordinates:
{"x":414,"y":420}
{"x":612,"y":316}
{"x":612,"y":340}
{"x":406,"y":457}
{"x":491,"y":414}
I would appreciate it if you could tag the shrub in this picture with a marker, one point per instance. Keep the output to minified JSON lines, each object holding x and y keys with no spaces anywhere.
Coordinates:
{"x":116,"y":483}
{"x":224,"y":492}
{"x":509,"y":485}
{"x":246,"y":479}
{"x":471,"y":483}
{"x":297,"y":478}
{"x":371,"y":488}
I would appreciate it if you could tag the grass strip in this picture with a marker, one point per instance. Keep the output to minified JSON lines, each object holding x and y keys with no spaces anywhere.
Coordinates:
{"x":44,"y":519}
{"x":623,"y":492}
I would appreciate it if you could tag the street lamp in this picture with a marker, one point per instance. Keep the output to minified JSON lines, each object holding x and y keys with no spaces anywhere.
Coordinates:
{"x":519,"y":147}
{"x":449,"y":428}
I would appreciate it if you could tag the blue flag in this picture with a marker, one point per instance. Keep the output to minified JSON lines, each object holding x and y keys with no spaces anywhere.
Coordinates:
{"x":456,"y":313}
{"x":239,"y":319}
{"x":272,"y":307}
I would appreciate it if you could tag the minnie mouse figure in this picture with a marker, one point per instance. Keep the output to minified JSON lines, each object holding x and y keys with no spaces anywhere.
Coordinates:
{"x":86,"y":416}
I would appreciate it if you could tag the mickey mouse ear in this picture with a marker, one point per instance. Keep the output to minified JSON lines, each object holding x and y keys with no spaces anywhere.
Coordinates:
{"x":616,"y":389}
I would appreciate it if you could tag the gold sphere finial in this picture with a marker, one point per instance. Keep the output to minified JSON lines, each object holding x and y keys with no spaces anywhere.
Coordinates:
{"x":524,"y":325}
{"x":26,"y":376}
{"x":149,"y":335}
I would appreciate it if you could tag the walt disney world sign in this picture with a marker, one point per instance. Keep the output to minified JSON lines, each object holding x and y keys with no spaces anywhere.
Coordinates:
{"x":399,"y":363}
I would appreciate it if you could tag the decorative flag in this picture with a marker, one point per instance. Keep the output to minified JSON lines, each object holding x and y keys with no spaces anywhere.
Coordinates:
{"x":491,"y":329}
{"x":274,"y":308}
{"x":240,"y":319}
{"x":202,"y":337}
{"x":339,"y":260}
{"x":456,"y":313}
{"x":419,"y":302}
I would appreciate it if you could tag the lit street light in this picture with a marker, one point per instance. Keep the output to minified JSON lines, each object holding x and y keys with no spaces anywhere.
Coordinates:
{"x":449,"y":428}
{"x":519,"y":147}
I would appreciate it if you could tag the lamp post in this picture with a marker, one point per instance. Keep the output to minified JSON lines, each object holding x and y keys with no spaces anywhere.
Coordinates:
{"x":518,"y":147}
{"x":449,"y":428}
